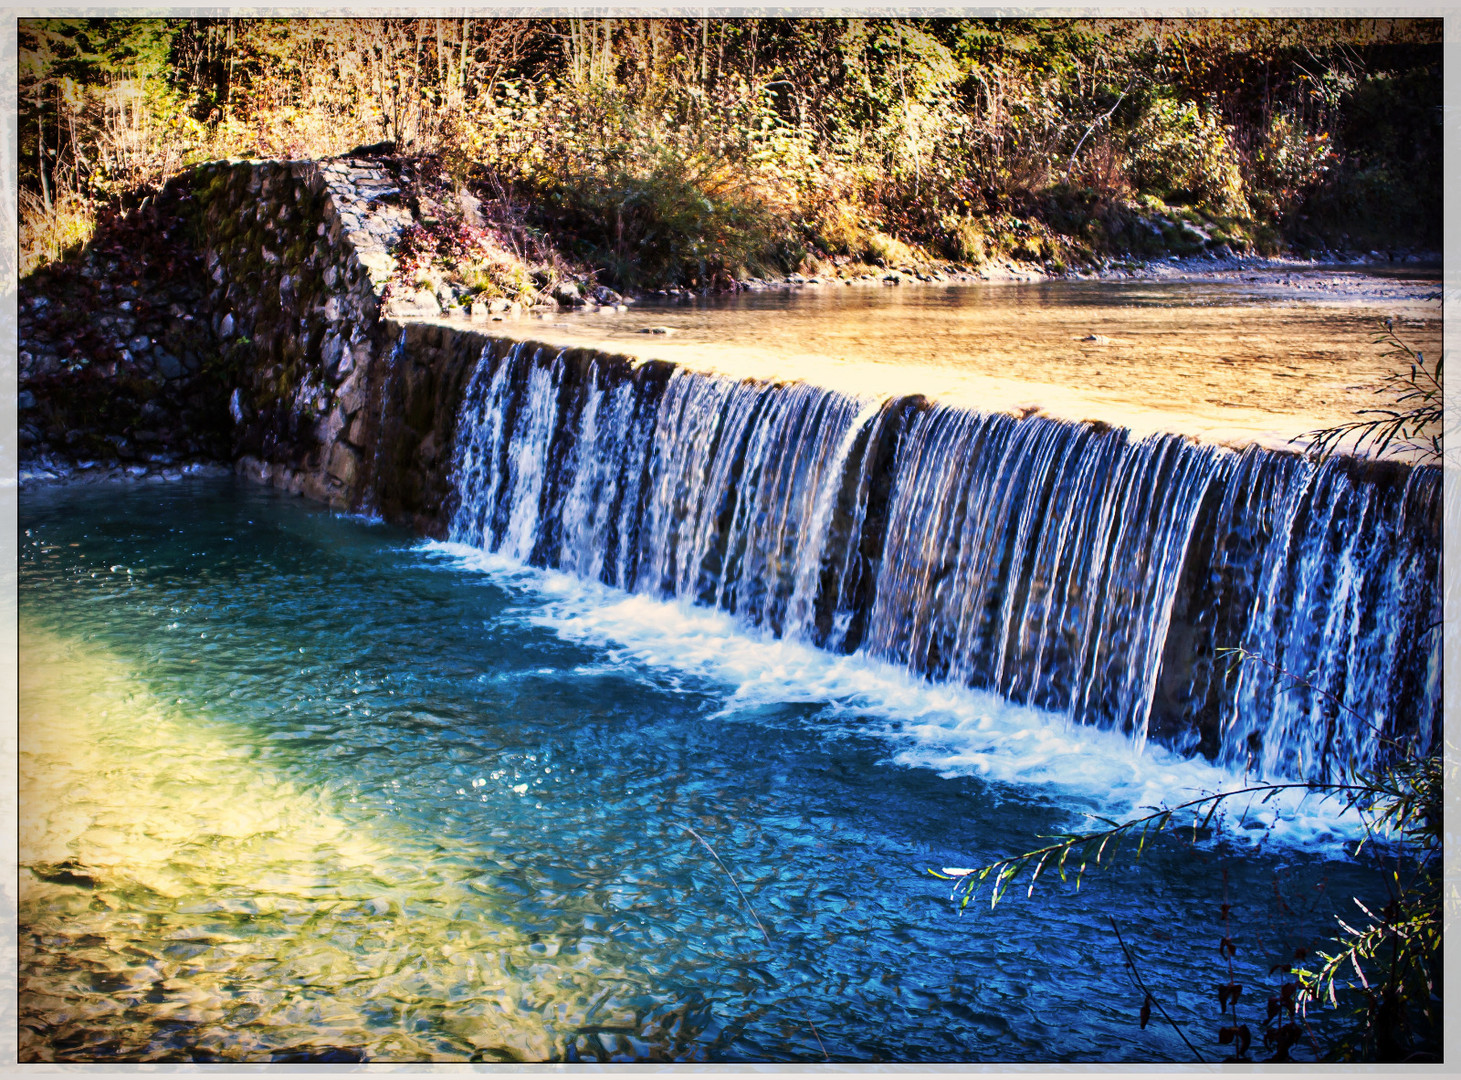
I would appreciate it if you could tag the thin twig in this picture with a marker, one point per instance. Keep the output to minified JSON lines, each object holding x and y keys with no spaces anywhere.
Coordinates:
{"x":757,"y":919}
{"x":1169,"y":812}
{"x":1135,"y":974}
{"x":1244,"y":654}
{"x":1069,"y":165}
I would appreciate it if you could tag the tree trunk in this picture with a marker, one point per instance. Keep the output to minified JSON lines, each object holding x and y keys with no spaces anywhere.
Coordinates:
{"x":41,"y":154}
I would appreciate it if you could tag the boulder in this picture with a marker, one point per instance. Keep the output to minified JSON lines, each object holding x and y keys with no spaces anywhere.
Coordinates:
{"x":567,"y":294}
{"x":168,"y":365}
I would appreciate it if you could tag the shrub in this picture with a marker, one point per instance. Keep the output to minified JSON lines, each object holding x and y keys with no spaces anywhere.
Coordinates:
{"x":48,"y":233}
{"x":1288,"y":163}
{"x":663,"y":216}
{"x":884,"y":250}
{"x":1182,"y":153}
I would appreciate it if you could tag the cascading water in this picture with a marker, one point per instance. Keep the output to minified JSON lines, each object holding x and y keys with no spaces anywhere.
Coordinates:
{"x":1062,"y":565}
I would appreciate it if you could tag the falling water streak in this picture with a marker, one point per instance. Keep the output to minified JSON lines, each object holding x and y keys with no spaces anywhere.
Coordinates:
{"x":1062,"y":551}
{"x":688,"y":428}
{"x":856,"y":568}
{"x":1345,"y":561}
{"x":596,"y":480}
{"x":1038,"y":558}
{"x":478,"y":450}
{"x":811,"y":560}
{"x":528,"y":459}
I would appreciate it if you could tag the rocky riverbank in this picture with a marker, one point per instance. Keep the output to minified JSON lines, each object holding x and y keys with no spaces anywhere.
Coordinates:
{"x":55,"y":469}
{"x":1276,"y":271}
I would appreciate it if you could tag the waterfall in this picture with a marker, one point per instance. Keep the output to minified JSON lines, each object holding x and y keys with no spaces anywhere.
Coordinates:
{"x":1064,"y":565}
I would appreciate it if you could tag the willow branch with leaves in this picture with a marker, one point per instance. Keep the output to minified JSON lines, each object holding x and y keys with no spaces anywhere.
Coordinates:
{"x":1410,"y":424}
{"x":1100,"y":847}
{"x":1399,"y":944}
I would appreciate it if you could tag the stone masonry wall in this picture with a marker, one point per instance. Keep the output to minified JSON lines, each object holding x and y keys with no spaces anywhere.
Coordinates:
{"x":297,"y":257}
{"x":244,"y":314}
{"x":326,"y":403}
{"x":118,"y":361}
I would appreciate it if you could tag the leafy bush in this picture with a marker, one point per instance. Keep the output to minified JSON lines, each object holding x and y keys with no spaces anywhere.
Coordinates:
{"x":48,"y":233}
{"x":1182,"y":154}
{"x":1289,"y":163}
{"x":666,"y":216}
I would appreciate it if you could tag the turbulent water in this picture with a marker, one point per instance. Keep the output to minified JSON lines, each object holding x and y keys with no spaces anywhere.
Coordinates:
{"x":297,"y":787}
{"x":1036,"y":558}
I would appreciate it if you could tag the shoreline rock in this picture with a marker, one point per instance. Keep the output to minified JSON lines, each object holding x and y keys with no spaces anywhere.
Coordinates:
{"x":1176,"y":267}
{"x":52,"y":470}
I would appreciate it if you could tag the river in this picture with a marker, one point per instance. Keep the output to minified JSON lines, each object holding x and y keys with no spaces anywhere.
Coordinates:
{"x":298,"y":786}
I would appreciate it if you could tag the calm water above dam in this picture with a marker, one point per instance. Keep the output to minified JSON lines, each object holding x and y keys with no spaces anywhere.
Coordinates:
{"x":1233,"y":357}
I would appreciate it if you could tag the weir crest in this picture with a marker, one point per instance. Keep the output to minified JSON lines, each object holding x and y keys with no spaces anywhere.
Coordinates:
{"x":1059,"y":564}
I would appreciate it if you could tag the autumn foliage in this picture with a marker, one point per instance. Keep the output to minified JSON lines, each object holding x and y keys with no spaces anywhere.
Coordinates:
{"x":689,"y":151}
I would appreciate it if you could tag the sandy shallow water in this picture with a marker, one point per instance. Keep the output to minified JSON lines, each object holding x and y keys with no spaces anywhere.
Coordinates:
{"x":1225,"y":356}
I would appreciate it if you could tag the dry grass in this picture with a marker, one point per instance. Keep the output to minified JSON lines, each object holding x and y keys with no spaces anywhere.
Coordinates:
{"x":48,"y":233}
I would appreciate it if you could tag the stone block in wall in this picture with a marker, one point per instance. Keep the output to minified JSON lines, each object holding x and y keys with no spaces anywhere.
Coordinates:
{"x":332,"y":349}
{"x":318,"y":487}
{"x":347,"y":361}
{"x":330,"y":426}
{"x":352,"y":392}
{"x":357,"y":433}
{"x":168,"y":365}
{"x":378,"y":265}
{"x":253,"y":469}
{"x":344,"y":464}
{"x":420,"y":304}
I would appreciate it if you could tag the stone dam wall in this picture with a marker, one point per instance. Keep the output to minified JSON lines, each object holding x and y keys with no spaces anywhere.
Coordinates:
{"x":238,"y":316}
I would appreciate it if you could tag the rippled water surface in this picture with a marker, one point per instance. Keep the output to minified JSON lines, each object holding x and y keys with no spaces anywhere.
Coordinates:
{"x":300,"y":787}
{"x":1229,"y":356}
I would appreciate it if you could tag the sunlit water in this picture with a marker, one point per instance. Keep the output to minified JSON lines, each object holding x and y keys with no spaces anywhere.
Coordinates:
{"x":300,"y":787}
{"x":1233,"y":357}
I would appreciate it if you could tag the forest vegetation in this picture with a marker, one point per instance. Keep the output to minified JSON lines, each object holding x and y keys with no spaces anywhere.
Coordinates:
{"x":693,"y":152}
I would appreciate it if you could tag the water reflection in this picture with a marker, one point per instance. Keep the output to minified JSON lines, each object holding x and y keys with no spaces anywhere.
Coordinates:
{"x":1234,"y":358}
{"x":179,"y":899}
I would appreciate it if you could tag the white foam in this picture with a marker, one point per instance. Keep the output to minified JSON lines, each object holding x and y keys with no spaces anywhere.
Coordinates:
{"x":953,"y":730}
